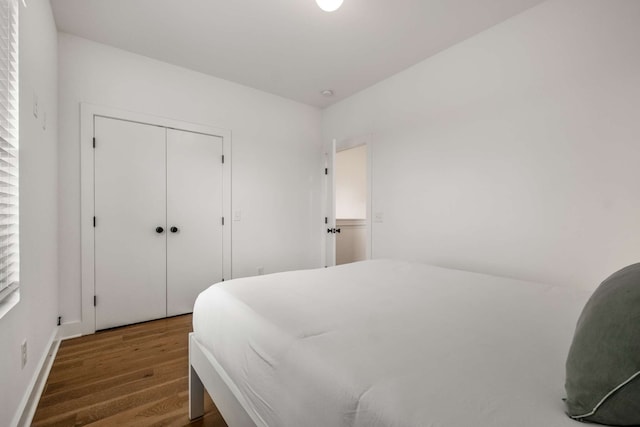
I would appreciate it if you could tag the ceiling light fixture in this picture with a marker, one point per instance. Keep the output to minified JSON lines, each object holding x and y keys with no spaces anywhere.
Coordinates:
{"x":329,"y":5}
{"x":327,"y":93}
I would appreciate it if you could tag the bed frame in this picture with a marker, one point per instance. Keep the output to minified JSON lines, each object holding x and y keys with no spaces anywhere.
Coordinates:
{"x":206,"y":373}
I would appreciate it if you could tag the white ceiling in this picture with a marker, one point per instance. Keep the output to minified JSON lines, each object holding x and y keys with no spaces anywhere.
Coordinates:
{"x":286,"y":47}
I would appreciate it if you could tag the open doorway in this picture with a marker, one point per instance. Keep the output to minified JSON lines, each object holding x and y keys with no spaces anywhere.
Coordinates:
{"x":347,"y":196}
{"x":351,"y":204}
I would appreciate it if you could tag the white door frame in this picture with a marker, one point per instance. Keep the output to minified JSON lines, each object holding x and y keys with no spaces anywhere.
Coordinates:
{"x":330,"y":193}
{"x":87,"y":114}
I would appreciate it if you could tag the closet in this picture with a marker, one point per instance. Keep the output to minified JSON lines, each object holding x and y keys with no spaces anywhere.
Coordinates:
{"x":158,"y":226}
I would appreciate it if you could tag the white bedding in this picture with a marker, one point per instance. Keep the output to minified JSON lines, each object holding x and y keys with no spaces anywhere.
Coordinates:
{"x":387,"y":343}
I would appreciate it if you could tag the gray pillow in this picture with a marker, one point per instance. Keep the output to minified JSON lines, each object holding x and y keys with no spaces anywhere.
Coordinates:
{"x":603,"y":367}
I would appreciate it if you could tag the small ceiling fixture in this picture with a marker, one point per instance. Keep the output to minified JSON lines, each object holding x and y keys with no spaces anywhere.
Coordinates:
{"x":327,"y":93}
{"x":329,"y":5}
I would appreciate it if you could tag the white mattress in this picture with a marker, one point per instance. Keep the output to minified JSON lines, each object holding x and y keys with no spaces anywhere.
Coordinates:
{"x":387,"y":343}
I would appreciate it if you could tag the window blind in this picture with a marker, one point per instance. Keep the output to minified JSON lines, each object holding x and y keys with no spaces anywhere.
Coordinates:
{"x":9,"y":255}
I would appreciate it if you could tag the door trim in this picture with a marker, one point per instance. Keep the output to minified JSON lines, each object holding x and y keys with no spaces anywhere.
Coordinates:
{"x":87,"y":114}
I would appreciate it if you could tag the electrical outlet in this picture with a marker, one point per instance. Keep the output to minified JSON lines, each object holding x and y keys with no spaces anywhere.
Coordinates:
{"x":378,"y":217}
{"x":237,"y":215}
{"x":260,"y":271}
{"x":23,"y":350}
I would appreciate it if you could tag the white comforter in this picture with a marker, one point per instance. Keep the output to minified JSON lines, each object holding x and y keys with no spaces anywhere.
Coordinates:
{"x":386,"y":343}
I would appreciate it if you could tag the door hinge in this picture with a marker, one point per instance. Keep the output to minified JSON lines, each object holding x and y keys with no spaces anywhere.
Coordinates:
{"x":222,"y":220}
{"x":223,"y":159}
{"x":95,"y":300}
{"x":326,"y":171}
{"x":94,"y":221}
{"x":326,"y":220}
{"x":59,"y":320}
{"x":94,"y":142}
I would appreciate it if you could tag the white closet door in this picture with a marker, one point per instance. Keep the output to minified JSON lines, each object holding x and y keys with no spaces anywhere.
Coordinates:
{"x":130,"y":203}
{"x":194,"y":208}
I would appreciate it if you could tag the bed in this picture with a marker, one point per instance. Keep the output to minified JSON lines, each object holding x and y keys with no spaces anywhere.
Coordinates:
{"x":383,"y":343}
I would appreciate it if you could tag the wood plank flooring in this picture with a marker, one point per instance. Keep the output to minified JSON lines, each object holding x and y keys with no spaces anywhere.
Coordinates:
{"x":130,"y":376}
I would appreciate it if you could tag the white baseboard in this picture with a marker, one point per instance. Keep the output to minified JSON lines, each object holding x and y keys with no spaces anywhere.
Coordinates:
{"x":69,"y":330}
{"x":29,"y":402}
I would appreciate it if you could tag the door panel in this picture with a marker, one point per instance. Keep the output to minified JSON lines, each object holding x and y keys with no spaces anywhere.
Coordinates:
{"x":194,"y":206}
{"x":330,"y":214}
{"x":130,"y":202}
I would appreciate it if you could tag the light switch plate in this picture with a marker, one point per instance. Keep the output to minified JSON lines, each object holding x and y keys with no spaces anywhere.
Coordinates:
{"x":35,"y":105}
{"x":23,"y":354}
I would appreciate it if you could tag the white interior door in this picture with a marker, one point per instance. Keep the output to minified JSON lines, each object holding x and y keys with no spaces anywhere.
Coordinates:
{"x":330,"y":202}
{"x":194,"y":217}
{"x":130,"y":229}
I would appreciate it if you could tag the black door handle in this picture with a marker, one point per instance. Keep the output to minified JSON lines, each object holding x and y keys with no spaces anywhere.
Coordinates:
{"x":333,"y":230}
{"x":337,"y":230}
{"x":174,"y":229}
{"x":159,"y":230}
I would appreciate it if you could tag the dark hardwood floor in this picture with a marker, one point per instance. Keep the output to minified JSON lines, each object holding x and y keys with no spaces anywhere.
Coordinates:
{"x":130,"y":376}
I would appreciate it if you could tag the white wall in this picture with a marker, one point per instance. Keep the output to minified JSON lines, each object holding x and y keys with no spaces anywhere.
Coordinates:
{"x":351,"y":182}
{"x":34,"y":318}
{"x":276,"y":150}
{"x":515,"y":152}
